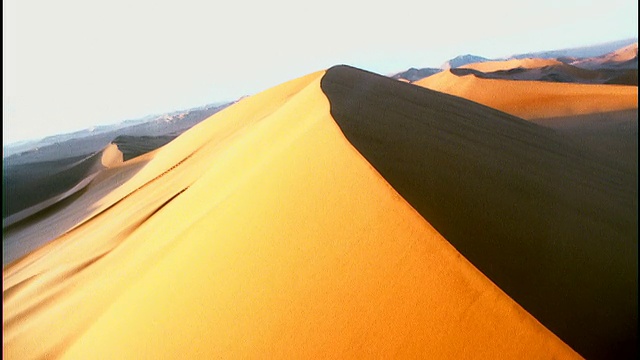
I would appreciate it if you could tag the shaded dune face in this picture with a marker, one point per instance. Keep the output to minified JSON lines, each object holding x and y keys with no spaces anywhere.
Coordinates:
{"x":612,"y":135}
{"x":549,"y":224}
{"x":260,"y":233}
{"x":558,"y":73}
{"x":622,"y":72}
{"x":26,"y":185}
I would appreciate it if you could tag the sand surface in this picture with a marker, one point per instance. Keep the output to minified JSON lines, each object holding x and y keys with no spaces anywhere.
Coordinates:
{"x":528,"y":63}
{"x":259,"y":233}
{"x":552,"y":223}
{"x":612,"y":135}
{"x":535,"y":99}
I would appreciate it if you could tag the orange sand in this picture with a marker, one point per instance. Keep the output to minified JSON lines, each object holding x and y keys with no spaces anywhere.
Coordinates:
{"x":261,"y":232}
{"x":535,"y":99}
{"x":529,"y":63}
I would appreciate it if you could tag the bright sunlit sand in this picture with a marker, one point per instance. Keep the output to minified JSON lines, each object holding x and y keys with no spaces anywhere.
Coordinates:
{"x":535,"y":99}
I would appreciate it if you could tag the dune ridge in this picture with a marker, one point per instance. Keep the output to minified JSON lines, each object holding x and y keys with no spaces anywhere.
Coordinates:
{"x":260,"y":232}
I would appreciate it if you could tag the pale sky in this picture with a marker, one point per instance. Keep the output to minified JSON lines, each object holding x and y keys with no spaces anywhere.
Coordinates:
{"x":73,"y":64}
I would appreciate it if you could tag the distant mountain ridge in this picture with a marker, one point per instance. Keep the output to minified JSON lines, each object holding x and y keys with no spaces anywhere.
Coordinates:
{"x":414,"y":74}
{"x":583,"y":57}
{"x":93,"y":139}
{"x":463,"y":60}
{"x":579,"y":52}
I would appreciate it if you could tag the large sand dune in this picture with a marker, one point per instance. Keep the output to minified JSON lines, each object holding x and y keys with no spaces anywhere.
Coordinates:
{"x":259,"y":233}
{"x":552,"y":223}
{"x":535,"y":99}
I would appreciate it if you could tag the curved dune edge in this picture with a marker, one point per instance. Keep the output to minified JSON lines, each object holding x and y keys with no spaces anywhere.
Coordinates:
{"x":535,"y":99}
{"x":285,"y":244}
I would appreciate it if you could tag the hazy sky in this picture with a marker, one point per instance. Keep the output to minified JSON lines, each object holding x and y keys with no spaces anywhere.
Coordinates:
{"x":71,"y":64}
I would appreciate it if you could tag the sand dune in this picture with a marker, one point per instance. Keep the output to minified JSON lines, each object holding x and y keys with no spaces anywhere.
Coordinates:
{"x":528,"y":63}
{"x":535,"y":99}
{"x":551,"y":223}
{"x":261,"y":232}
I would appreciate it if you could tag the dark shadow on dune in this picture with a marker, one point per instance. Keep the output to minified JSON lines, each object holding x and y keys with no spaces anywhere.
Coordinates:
{"x":42,"y":214}
{"x":134,"y":146}
{"x":553,"y":227}
{"x":613,"y":135}
{"x":26,"y":185}
{"x":559,"y":73}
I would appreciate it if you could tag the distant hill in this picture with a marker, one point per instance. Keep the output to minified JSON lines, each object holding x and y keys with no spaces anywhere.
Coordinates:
{"x":620,"y":59}
{"x":414,"y":74}
{"x":579,"y":52}
{"x":52,"y":157}
{"x":463,"y":60}
{"x":603,"y":54}
{"x":91,"y":140}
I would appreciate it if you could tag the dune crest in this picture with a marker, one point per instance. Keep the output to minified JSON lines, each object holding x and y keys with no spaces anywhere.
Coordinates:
{"x":261,"y":232}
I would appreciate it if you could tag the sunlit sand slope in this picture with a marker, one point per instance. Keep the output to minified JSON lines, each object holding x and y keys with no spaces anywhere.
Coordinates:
{"x":549,"y":223}
{"x":260,"y":233}
{"x":535,"y":99}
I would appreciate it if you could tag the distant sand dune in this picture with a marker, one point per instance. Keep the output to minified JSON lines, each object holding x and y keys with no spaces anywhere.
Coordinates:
{"x":528,"y":63}
{"x":259,"y":233}
{"x":535,"y":99}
